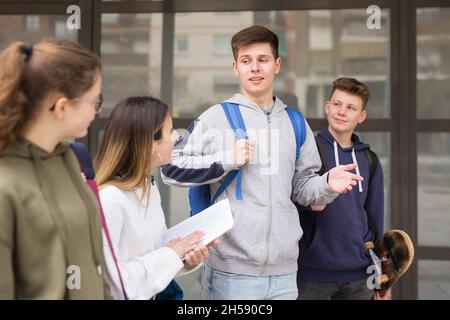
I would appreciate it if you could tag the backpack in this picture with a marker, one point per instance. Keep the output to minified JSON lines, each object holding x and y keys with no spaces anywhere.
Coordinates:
{"x":173,"y":291}
{"x":200,"y":196}
{"x":88,"y":172}
{"x":308,"y":219}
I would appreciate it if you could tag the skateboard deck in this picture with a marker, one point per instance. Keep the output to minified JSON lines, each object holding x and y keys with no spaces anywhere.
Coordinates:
{"x":392,"y":256}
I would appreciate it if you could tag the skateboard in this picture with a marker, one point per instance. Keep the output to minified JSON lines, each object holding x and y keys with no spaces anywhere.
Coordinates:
{"x":392,"y":256}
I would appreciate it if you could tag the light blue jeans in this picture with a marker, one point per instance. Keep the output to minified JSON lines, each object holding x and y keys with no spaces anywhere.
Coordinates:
{"x":218,"y":285}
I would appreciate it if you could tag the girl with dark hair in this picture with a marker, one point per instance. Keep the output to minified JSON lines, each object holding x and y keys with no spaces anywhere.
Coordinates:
{"x":139,"y":137}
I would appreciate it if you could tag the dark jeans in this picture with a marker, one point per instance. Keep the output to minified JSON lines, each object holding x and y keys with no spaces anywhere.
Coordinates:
{"x":350,"y":290}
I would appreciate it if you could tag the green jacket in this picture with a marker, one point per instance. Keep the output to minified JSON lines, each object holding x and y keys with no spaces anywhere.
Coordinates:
{"x":50,"y":227}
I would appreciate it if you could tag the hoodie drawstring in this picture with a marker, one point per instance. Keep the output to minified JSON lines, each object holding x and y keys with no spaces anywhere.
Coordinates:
{"x":336,"y":160}
{"x":336,"y":154}
{"x":357,"y":169}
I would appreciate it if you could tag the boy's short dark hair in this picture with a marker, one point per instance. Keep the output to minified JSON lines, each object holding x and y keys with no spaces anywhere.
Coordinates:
{"x":254,"y":34}
{"x":352,"y":86}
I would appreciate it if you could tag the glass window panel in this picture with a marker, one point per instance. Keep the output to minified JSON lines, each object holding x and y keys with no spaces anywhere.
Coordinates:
{"x":433,"y":188}
{"x":181,"y":43}
{"x":131,"y":56}
{"x":316,"y":46}
{"x":222,"y":45}
{"x":33,"y":23}
{"x":434,"y":280}
{"x":32,"y":28}
{"x":433,"y":63}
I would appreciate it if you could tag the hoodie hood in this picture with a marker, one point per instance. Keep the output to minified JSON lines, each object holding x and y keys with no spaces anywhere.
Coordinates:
{"x":38,"y":157}
{"x":242,"y":100}
{"x":357,"y":146}
{"x":28,"y":150}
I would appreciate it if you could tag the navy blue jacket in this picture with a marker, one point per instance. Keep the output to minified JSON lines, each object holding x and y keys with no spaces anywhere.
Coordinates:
{"x":332,"y":247}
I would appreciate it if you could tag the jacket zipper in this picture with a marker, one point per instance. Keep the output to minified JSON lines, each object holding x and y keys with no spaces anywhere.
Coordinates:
{"x":269,"y":227}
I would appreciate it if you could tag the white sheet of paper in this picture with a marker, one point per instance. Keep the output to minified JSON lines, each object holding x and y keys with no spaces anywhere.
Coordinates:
{"x":214,"y":221}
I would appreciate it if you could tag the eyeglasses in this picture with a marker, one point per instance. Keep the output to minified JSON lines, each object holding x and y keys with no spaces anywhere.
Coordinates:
{"x":97,"y":102}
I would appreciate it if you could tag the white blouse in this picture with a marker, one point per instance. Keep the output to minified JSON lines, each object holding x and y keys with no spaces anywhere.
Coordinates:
{"x":136,"y":227}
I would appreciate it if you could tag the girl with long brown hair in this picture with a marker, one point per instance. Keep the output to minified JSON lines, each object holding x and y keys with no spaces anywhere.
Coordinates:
{"x":50,"y":234}
{"x":138,"y":138}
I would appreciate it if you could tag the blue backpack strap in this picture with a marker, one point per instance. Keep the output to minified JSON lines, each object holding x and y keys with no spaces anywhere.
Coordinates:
{"x":298,"y":122}
{"x":225,"y":184}
{"x":200,"y":196}
{"x":234,"y":117}
{"x":84,"y":158}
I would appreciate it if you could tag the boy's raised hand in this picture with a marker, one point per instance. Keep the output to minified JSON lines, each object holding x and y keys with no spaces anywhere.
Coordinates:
{"x":341,"y":180}
{"x":243,"y":151}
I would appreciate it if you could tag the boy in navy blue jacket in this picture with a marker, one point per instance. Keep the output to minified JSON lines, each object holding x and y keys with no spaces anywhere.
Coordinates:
{"x":333,"y":261}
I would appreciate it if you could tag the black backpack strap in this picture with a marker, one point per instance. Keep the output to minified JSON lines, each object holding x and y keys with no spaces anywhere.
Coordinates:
{"x":373,"y":162}
{"x":321,"y":154}
{"x":307,"y":217}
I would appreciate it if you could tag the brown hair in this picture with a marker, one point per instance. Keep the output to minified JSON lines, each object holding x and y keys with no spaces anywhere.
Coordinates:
{"x":254,"y":34}
{"x":352,"y":86}
{"x":29,"y":74}
{"x":124,"y":158}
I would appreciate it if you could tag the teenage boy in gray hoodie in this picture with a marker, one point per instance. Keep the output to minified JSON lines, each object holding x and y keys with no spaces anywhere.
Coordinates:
{"x":257,"y":259}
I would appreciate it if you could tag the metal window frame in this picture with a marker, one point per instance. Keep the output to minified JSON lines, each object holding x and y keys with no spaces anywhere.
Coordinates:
{"x":420,"y":125}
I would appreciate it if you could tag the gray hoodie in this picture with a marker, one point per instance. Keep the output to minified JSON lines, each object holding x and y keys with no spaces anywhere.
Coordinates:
{"x":264,"y":240}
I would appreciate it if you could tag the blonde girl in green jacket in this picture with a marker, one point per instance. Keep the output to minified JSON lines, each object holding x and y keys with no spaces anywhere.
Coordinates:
{"x":50,"y":228}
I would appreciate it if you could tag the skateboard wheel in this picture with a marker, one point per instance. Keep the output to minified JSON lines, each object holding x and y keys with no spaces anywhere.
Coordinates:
{"x":383,"y":279}
{"x":369,"y":245}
